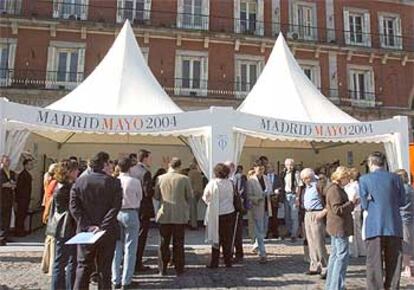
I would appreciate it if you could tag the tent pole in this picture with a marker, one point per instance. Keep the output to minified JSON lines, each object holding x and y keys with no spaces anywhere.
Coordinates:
{"x":2,"y":126}
{"x":401,"y":142}
{"x":66,"y":140}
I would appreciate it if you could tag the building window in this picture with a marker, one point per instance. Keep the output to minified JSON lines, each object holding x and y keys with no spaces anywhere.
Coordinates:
{"x":304,"y":21}
{"x":361,"y":87}
{"x":7,"y":57}
{"x":357,"y":27}
{"x":249,"y":16}
{"x":193,"y":14}
{"x":248,"y":69}
{"x":70,"y":9}
{"x":65,"y":65}
{"x":191,"y":73}
{"x":390,"y":31}
{"x":137,"y":11}
{"x":312,"y":71}
{"x":10,"y":6}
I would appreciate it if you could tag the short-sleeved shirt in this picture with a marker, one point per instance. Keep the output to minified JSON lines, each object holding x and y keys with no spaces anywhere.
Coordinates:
{"x":312,"y":200}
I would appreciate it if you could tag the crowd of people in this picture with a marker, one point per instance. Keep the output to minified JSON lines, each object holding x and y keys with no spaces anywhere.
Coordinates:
{"x":370,"y":215}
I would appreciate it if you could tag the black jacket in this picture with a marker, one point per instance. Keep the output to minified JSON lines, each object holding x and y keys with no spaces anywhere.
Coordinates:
{"x":66,"y":226}
{"x":23,"y":186}
{"x":4,"y":179}
{"x":95,"y":200}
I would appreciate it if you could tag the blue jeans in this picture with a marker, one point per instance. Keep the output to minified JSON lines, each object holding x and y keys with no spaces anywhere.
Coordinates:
{"x":259,"y":234}
{"x":338,"y":262}
{"x":291,"y":214}
{"x":126,"y":247}
{"x":64,"y":265}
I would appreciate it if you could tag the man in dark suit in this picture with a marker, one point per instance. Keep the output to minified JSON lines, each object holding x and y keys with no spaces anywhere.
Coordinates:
{"x":142,"y":171}
{"x":95,"y":201}
{"x":382,"y":194}
{"x":239,"y":182}
{"x":276,"y":197}
{"x":7,"y":187}
{"x":23,"y":193}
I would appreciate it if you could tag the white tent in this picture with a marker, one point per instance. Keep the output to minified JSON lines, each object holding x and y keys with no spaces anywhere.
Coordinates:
{"x":119,"y":102}
{"x":291,"y":108}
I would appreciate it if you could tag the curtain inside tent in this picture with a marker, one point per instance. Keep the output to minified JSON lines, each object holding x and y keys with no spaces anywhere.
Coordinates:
{"x":391,"y":153}
{"x":14,"y":146}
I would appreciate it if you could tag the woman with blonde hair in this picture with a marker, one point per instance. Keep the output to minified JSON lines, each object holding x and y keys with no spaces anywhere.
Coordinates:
{"x":49,"y":185}
{"x":356,"y":244}
{"x":62,"y":226}
{"x":407,"y":216}
{"x":339,"y":226}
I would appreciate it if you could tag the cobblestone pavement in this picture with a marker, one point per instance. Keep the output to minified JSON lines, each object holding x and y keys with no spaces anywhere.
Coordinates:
{"x":284,"y":270}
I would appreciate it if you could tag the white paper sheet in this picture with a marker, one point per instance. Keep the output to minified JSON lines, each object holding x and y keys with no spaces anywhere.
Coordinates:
{"x":85,"y":238}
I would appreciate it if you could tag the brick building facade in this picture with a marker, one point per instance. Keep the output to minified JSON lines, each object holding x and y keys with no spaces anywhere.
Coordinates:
{"x":210,"y":52}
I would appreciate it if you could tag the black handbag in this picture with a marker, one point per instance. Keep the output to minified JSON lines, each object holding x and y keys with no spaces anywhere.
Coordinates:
{"x":237,"y":202}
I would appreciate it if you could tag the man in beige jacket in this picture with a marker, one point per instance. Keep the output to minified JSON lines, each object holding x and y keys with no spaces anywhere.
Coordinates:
{"x":174,"y":192}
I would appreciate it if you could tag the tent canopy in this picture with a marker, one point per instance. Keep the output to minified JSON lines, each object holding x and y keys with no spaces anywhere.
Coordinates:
{"x":284,"y":105}
{"x":122,"y":84}
{"x":283,"y":91}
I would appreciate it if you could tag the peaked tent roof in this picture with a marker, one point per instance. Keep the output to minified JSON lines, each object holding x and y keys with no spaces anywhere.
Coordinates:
{"x":121,"y":84}
{"x":283,"y":91}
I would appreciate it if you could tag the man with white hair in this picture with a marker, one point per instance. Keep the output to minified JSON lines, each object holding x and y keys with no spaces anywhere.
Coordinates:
{"x":291,"y":183}
{"x":314,"y":225}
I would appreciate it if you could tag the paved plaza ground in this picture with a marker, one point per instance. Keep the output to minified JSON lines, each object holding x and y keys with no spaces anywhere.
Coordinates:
{"x":19,"y":268}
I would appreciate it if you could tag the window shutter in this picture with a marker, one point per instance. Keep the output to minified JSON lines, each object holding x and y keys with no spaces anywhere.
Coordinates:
{"x":295,"y":17}
{"x":206,"y":14}
{"x":398,"y":32}
{"x":180,"y":10}
{"x":371,"y":85}
{"x":57,"y":8}
{"x":347,"y":29}
{"x":84,"y":9}
{"x":381,"y":30}
{"x":178,"y":74}
{"x":51,"y":69}
{"x":367,"y":29}
{"x":260,"y":18}
{"x":204,"y":75}
{"x":120,"y":11}
{"x":147,"y":8}
{"x":18,"y":8}
{"x":237,"y":76}
{"x":81,"y":64}
{"x":236,"y":16}
{"x":351,"y":84}
{"x":10,"y":63}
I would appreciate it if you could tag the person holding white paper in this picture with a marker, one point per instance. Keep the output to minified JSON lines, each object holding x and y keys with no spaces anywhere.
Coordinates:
{"x":62,"y":226}
{"x":95,"y":201}
{"x":126,"y":247}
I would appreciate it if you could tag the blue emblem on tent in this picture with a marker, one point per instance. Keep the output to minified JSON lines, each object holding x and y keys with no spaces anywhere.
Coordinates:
{"x":222,"y":141}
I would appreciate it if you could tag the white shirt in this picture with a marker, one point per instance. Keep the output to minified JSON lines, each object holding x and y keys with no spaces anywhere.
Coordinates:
{"x":352,"y":190}
{"x":132,"y":191}
{"x":225,"y":194}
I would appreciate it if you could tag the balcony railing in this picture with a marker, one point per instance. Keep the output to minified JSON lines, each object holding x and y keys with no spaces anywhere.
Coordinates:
{"x":192,"y":21}
{"x":178,"y":87}
{"x":103,"y":13}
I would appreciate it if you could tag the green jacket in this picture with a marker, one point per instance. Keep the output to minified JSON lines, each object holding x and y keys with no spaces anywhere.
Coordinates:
{"x":174,"y":192}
